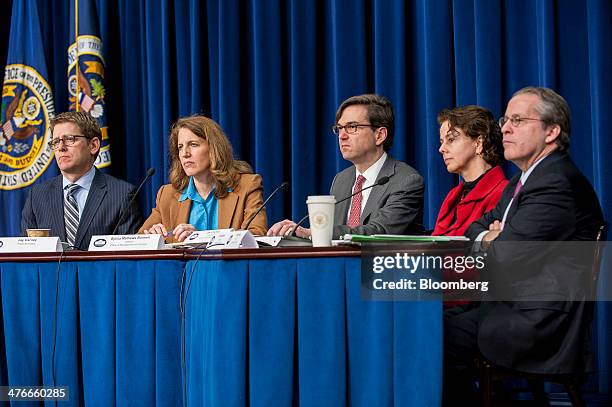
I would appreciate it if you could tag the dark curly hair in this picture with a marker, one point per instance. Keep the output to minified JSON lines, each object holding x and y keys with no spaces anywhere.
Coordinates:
{"x":476,"y":122}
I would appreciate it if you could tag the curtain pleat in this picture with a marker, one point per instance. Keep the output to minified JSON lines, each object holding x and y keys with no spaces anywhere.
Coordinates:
{"x":273,"y":72}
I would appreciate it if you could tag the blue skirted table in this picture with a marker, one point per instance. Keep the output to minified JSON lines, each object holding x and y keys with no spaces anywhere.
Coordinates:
{"x":274,"y":327}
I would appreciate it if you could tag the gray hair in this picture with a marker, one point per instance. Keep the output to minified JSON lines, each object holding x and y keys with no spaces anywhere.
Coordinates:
{"x":553,"y":109}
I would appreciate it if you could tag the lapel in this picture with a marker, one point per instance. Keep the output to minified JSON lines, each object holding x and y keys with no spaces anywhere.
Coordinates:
{"x":531,"y":180}
{"x":376,"y":193}
{"x":182,"y":211}
{"x":485,"y":186}
{"x":445,"y":217}
{"x":343,"y":187}
{"x":95,"y":197}
{"x":57,"y":208}
{"x":227,"y":208}
{"x":507,"y":196}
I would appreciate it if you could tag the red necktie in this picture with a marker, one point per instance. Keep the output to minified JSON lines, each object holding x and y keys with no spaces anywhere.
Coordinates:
{"x":354,"y":218}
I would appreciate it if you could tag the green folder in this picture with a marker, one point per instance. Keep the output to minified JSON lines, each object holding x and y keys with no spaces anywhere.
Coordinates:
{"x":402,"y":238}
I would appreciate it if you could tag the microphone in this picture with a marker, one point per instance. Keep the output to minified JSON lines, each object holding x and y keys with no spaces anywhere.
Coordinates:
{"x":278,"y":188}
{"x":150,"y":173}
{"x":381,"y":181}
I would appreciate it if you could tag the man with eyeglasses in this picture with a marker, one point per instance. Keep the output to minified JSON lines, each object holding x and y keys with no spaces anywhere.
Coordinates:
{"x":82,"y":201}
{"x":542,"y":330}
{"x":365,"y":128}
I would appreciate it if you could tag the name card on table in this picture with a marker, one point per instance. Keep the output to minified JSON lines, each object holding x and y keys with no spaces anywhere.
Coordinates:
{"x":203,"y":238}
{"x":30,"y":244}
{"x":220,"y":239}
{"x":268,"y":240}
{"x":126,"y":242}
{"x":241,"y":239}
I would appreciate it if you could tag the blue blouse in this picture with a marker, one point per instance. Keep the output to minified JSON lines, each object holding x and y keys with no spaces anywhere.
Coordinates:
{"x":203,"y":213}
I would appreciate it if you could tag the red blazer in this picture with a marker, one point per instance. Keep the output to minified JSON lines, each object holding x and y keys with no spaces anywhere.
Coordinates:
{"x":480,"y":200}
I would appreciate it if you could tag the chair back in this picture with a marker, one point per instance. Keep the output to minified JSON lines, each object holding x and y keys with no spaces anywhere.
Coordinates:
{"x":597,"y":255}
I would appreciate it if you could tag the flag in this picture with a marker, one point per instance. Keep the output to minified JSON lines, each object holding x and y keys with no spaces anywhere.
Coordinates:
{"x":86,"y":70}
{"x":26,"y":110}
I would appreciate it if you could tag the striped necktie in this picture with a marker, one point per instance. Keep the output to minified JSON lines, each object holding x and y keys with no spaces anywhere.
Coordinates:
{"x":354,"y":218}
{"x":71,"y":213}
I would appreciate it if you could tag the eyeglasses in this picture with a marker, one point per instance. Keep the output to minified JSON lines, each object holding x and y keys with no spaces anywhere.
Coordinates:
{"x":516,"y":121}
{"x":350,"y":128}
{"x":68,"y":139}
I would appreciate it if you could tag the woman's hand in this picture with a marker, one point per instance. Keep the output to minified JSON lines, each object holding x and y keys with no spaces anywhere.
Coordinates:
{"x":182,"y":231}
{"x":158,"y":228}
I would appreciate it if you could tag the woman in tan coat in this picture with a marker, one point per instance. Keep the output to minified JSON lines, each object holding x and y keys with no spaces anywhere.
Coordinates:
{"x":208,"y":189}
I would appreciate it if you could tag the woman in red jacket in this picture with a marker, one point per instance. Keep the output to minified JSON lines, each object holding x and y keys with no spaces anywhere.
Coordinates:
{"x":471,"y":146}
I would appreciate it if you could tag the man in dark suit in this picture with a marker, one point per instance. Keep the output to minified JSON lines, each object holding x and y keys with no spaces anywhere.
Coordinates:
{"x":543,"y":329}
{"x":365,"y":127}
{"x":82,"y":201}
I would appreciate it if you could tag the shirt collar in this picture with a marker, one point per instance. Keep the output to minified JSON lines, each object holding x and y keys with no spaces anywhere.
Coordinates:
{"x":84,"y":182}
{"x":192,"y":193}
{"x":372,"y":172}
{"x":527,"y":173}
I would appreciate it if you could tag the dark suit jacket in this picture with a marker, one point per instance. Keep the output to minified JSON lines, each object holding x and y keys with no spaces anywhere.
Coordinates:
{"x":557,"y":203}
{"x":393,"y":208}
{"x":44,"y":209}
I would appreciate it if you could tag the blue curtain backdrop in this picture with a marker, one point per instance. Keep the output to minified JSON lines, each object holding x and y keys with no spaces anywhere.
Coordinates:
{"x":273,"y":72}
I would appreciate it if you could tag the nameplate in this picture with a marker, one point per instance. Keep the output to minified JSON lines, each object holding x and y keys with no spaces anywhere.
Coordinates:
{"x":205,"y":237}
{"x":221,"y":239}
{"x":268,"y":240}
{"x":241,"y":239}
{"x":126,"y":242}
{"x":30,"y":244}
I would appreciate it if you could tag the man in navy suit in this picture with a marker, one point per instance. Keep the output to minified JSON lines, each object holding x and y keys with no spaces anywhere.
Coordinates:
{"x":544,"y":329}
{"x":82,"y":201}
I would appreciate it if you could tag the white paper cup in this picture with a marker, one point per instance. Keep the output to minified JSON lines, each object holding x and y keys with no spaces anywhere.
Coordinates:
{"x":321,"y":217}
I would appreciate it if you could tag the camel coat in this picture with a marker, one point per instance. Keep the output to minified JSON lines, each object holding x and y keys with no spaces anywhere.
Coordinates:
{"x":234,"y":210}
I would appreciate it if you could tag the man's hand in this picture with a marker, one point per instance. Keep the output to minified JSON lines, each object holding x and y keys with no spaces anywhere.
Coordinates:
{"x":284,"y":228}
{"x":495,"y":229}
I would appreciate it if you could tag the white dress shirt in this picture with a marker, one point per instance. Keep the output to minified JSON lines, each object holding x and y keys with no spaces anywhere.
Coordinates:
{"x":370,"y":176}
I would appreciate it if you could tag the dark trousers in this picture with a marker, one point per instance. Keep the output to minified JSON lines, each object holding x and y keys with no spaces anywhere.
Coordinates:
{"x":460,"y":350}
